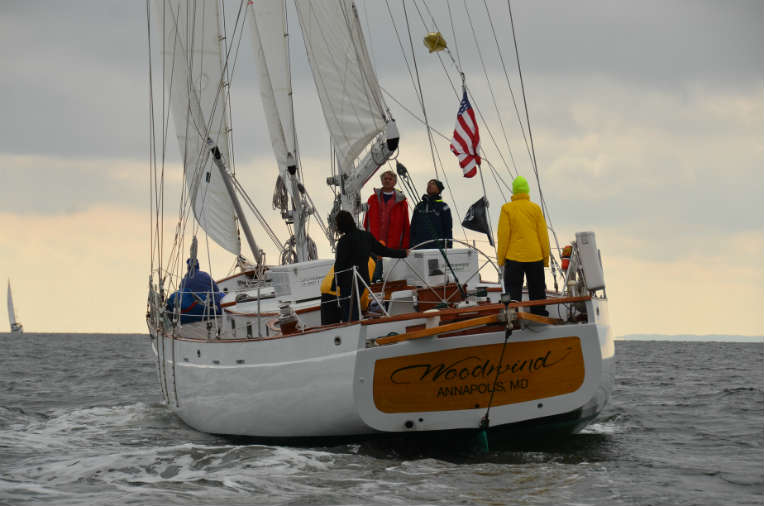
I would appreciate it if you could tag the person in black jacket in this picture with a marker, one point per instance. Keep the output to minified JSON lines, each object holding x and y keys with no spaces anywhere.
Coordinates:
{"x":353,"y":250}
{"x":431,"y":219}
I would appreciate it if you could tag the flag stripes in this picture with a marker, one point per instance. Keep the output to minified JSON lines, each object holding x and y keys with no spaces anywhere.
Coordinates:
{"x":466,"y":140}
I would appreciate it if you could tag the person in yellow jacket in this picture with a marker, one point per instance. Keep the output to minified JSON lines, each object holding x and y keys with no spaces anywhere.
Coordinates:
{"x":330,"y":306}
{"x":523,"y":245}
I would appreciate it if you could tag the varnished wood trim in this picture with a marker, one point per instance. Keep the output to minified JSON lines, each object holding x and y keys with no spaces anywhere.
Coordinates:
{"x":538,"y":318}
{"x":483,"y":309}
{"x":449,"y":327}
{"x":499,"y":327}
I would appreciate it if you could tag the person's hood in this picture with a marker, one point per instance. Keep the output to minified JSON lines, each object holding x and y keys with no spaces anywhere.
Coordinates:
{"x":399,"y":196}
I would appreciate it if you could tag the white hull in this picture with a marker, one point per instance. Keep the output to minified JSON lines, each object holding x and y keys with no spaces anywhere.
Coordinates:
{"x":322,"y":383}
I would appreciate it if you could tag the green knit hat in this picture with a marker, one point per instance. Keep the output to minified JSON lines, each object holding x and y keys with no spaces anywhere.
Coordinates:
{"x":520,"y":185}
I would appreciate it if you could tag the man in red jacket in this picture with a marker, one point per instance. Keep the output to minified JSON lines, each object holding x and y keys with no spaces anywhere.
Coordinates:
{"x":388,"y":215}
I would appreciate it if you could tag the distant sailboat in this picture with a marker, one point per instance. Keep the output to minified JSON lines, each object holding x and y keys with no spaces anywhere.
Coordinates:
{"x":16,"y":327}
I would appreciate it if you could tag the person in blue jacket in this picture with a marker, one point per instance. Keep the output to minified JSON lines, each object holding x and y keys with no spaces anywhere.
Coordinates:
{"x":198,"y":297}
{"x":432,"y":219}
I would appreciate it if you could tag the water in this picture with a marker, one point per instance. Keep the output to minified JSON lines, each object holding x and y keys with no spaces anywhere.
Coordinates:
{"x":81,"y":422}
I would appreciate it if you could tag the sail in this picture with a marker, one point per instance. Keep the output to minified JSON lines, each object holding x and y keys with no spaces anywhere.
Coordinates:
{"x":348,"y":89}
{"x":193,"y":69}
{"x":267,"y":20}
{"x":11,"y":313}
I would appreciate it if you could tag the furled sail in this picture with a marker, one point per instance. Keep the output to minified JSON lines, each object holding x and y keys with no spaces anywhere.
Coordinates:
{"x":193,"y":66}
{"x":348,"y":89}
{"x":267,"y":19}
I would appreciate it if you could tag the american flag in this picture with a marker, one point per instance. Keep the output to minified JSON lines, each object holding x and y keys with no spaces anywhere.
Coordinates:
{"x":466,"y":140}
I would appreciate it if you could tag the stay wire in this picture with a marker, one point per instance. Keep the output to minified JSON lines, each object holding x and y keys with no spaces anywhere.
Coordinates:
{"x":506,"y":76}
{"x":433,"y":145}
{"x":490,"y":88}
{"x":530,"y":132}
{"x":152,"y":151}
{"x":443,"y":136}
{"x":475,"y":105}
{"x":419,"y":87}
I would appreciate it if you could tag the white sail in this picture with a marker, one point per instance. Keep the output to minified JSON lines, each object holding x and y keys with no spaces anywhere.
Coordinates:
{"x":350,"y":95}
{"x":11,"y":313}
{"x":16,"y":327}
{"x":269,"y":33}
{"x":194,"y":63}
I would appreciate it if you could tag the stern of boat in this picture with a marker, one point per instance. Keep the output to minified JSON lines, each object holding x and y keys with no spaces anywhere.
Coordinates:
{"x":556,"y":374}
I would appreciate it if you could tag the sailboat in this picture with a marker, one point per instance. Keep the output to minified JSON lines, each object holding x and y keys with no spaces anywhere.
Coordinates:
{"x":16,"y":327}
{"x":439,"y":350}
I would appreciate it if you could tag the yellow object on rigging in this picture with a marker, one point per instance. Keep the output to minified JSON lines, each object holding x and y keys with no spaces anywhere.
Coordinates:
{"x":435,"y":42}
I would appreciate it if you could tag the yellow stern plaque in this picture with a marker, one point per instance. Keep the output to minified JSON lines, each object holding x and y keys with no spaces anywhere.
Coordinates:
{"x":463,"y":378}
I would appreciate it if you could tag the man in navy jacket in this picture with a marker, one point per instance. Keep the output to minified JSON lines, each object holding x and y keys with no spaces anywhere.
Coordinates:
{"x":431,"y":219}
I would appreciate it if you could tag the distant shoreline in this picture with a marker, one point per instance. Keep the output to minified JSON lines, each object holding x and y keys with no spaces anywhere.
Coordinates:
{"x":697,"y":338}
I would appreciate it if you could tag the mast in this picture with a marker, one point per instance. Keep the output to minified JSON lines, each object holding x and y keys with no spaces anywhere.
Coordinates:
{"x":217,"y":158}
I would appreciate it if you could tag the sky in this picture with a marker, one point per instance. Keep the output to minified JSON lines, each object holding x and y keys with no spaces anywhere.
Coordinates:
{"x":647,"y":120}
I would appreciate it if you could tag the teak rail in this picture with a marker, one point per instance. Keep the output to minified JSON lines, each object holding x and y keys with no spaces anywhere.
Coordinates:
{"x":476,"y":322}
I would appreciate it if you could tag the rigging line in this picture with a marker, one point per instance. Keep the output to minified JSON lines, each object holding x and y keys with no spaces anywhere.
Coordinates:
{"x":440,"y":134}
{"x":263,"y":222}
{"x":403,"y":50}
{"x":440,"y":57}
{"x":165,"y":127}
{"x":450,"y":192}
{"x":493,"y":173}
{"x":227,"y":90}
{"x":487,"y":208}
{"x":490,"y":88}
{"x":435,"y":24}
{"x":316,"y":215}
{"x":224,"y":90}
{"x":210,"y":296}
{"x":419,"y":83}
{"x":166,"y":115}
{"x":456,"y":94}
{"x":229,"y":74}
{"x":152,"y":146}
{"x":453,"y":32}
{"x":204,"y":132}
{"x":530,"y":132}
{"x":488,"y":129}
{"x":497,"y":175}
{"x":368,"y":31}
{"x":413,"y":115}
{"x":506,"y":75}
{"x":360,"y":49}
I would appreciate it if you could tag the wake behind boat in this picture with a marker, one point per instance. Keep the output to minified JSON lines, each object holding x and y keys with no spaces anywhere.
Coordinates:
{"x":438,"y":349}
